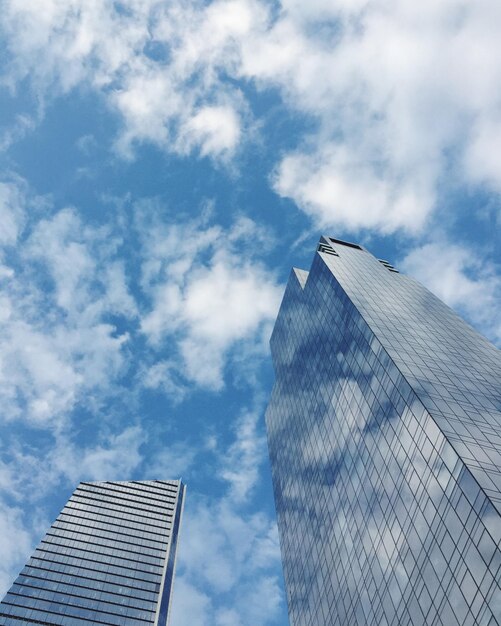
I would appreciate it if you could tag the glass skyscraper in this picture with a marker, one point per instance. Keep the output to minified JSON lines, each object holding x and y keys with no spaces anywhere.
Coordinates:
{"x":384,"y":431}
{"x":109,"y":558}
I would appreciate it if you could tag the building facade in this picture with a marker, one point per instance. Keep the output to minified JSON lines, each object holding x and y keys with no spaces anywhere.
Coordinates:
{"x":384,"y":432}
{"x":109,"y":558}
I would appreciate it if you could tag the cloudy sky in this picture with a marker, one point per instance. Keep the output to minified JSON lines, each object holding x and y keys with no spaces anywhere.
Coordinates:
{"x":162,"y":166}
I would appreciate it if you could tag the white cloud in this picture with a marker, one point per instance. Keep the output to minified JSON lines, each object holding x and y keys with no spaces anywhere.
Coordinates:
{"x":181,"y":104}
{"x":61,"y":285}
{"x":228,"y":617}
{"x":164,"y":375}
{"x":12,"y":212}
{"x":242,"y":461}
{"x":174,"y":460}
{"x":387,"y":85}
{"x":481,"y":160}
{"x":339,"y":191}
{"x":208,"y":294}
{"x":463,"y":279}
{"x":73,"y":253}
{"x":190,"y":606}
{"x":394,"y":91}
{"x":263,"y":600}
{"x":241,"y":554}
{"x":402,"y":99}
{"x":17,"y":130}
{"x":15,"y":544}
{"x":28,"y":473}
{"x":215,"y":129}
{"x":222,"y":304}
{"x":203,"y":286}
{"x":114,"y":458}
{"x":240,"y":563}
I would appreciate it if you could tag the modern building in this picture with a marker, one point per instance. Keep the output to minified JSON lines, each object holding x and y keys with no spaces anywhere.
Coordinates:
{"x":109,"y":558}
{"x":384,"y":431}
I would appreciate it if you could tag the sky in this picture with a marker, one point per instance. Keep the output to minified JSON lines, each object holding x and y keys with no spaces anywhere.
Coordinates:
{"x":163,"y":165}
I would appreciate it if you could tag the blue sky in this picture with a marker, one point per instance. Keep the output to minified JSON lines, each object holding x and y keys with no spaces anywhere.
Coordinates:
{"x":163,"y":165}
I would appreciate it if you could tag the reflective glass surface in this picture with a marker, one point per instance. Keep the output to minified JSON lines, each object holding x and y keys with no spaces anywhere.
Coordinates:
{"x":383,"y":430}
{"x":105,"y":560}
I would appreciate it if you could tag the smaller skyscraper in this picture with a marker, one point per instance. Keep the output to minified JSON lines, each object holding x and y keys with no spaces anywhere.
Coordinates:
{"x":108,"y":559}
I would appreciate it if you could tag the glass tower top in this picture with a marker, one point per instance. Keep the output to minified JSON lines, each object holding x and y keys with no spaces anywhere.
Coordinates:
{"x":107,"y":559}
{"x":384,"y":431}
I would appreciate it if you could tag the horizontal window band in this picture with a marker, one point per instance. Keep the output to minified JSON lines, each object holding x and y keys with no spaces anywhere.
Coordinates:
{"x":160,"y":553}
{"x":161,"y":487}
{"x":76,"y":595}
{"x":60,"y":531}
{"x":91,"y":569}
{"x":129,"y":497}
{"x":76,"y":496}
{"x":98,"y":510}
{"x":159,"y":493}
{"x":93,"y":619}
{"x":76,"y":528}
{"x":29,"y":619}
{"x":115,"y":495}
{"x":75,"y":552}
{"x":89,"y":560}
{"x":74,"y":577}
{"x":115,"y":506}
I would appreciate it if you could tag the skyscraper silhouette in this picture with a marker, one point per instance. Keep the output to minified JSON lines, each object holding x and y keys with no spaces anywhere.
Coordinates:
{"x":384,"y":431}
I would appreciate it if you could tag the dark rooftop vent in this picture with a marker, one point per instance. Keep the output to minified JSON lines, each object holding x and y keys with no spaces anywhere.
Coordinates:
{"x":388,"y":266}
{"x":346,"y":243}
{"x":323,"y":247}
